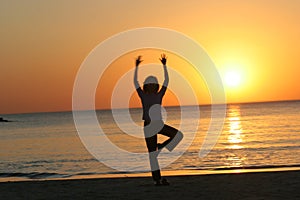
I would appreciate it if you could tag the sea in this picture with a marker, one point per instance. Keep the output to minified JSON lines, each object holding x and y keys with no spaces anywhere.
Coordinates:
{"x":253,"y":136}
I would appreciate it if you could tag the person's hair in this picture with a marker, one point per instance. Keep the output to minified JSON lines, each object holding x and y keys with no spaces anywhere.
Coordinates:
{"x":151,"y":85}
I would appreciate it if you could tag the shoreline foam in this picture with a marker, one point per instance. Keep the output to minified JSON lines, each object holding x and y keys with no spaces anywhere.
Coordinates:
{"x":189,"y":172}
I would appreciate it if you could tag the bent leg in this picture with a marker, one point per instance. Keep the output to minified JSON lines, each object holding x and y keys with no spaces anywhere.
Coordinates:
{"x":175,"y":136}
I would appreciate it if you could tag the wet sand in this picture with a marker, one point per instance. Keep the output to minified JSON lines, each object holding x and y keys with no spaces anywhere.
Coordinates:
{"x":257,"y":185}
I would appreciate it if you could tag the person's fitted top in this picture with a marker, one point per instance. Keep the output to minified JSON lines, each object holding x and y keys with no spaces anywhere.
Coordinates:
{"x":149,"y":100}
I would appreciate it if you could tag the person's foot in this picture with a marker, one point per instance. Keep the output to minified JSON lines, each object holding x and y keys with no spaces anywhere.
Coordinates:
{"x":161,"y":182}
{"x":157,"y":183}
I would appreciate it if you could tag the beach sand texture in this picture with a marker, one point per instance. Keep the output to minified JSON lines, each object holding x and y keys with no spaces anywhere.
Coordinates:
{"x":260,"y":185}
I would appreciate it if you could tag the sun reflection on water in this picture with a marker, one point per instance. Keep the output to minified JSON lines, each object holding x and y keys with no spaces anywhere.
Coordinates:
{"x":235,"y":137}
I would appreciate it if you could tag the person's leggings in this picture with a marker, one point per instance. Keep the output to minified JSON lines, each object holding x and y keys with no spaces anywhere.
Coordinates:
{"x":175,"y":137}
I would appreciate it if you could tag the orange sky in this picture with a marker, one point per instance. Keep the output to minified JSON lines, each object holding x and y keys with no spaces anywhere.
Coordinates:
{"x":43,"y":44}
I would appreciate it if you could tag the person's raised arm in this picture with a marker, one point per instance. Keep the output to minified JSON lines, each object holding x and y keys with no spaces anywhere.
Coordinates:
{"x":135,"y":78}
{"x":163,"y":60}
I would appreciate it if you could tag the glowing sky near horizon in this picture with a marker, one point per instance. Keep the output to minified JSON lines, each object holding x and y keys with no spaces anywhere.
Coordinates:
{"x":43,"y":44}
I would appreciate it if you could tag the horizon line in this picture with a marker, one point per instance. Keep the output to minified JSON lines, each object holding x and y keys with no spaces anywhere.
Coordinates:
{"x":106,"y":109}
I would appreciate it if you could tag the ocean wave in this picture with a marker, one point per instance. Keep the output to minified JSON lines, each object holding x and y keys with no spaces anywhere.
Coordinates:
{"x":258,"y":167}
{"x":47,"y":175}
{"x":34,"y":175}
{"x":61,"y":161}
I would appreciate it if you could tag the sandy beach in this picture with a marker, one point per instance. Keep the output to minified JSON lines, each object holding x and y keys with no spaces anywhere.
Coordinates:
{"x":259,"y":185}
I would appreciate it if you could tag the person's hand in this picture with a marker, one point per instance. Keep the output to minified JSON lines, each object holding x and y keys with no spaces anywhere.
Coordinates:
{"x":163,"y":59}
{"x":138,"y":61}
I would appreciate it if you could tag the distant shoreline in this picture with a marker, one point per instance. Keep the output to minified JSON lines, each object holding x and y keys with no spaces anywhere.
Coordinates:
{"x":4,"y":120}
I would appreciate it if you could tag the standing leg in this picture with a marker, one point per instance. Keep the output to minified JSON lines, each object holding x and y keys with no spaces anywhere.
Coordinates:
{"x":153,"y":153}
{"x":175,"y":136}
{"x":151,"y":143}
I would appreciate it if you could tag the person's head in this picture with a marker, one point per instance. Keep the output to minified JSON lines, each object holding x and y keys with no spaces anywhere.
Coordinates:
{"x":151,"y":85}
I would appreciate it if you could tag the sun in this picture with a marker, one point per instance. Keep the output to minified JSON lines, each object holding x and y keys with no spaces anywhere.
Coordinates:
{"x":232,"y":78}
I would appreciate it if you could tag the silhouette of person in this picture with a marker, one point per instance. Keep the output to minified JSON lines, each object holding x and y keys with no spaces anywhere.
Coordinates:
{"x":151,"y":98}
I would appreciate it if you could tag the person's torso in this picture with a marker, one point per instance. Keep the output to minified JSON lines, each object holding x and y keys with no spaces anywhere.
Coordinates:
{"x":151,"y":106}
